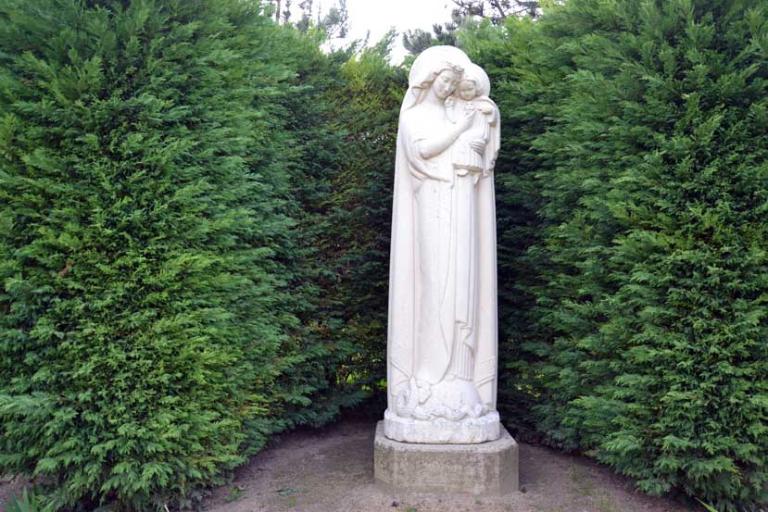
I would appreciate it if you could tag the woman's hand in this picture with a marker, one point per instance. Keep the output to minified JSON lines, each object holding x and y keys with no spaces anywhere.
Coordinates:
{"x":465,"y":122}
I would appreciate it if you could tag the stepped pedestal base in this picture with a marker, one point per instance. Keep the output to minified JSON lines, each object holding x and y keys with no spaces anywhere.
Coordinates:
{"x":489,"y":468}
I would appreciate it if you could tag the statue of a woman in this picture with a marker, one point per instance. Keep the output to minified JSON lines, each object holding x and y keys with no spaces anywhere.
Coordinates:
{"x":442,"y":338}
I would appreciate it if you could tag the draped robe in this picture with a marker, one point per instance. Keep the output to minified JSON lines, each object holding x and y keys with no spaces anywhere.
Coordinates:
{"x":442,"y":296}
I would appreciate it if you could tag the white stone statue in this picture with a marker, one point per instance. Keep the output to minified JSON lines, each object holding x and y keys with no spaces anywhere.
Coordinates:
{"x":442,"y":336}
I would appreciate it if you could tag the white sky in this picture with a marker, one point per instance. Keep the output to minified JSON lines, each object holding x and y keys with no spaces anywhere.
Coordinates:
{"x":378,"y":16}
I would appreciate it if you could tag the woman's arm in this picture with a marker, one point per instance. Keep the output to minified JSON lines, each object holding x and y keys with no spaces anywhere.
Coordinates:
{"x":432,"y":147}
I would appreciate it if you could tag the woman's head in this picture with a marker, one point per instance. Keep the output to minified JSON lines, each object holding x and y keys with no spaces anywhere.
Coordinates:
{"x":445,"y":82}
{"x":438,"y":68}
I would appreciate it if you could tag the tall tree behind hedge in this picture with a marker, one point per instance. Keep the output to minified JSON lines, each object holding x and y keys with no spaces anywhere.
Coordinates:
{"x":144,"y":199}
{"x":655,"y":187}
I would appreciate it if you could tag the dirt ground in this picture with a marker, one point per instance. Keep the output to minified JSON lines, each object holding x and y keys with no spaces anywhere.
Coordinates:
{"x":331,"y":470}
{"x":9,"y":487}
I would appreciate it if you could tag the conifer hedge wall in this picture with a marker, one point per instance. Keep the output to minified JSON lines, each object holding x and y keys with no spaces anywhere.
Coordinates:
{"x":150,"y":235}
{"x":645,"y":142}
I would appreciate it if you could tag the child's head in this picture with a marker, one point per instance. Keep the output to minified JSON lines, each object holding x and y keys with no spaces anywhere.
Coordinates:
{"x":474,"y":83}
{"x":467,"y":89}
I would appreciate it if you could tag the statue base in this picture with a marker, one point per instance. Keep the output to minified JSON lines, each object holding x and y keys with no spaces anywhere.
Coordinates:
{"x":481,"y":469}
{"x":442,"y":431}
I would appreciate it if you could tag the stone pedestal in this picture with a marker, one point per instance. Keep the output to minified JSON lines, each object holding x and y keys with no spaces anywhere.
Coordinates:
{"x":489,"y":468}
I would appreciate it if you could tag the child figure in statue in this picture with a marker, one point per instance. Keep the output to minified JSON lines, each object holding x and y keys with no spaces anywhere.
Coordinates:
{"x":470,"y":97}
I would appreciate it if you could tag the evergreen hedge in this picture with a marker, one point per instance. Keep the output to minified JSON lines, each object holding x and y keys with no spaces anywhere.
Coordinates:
{"x":148,"y":227}
{"x":648,"y":140}
{"x":356,"y":240}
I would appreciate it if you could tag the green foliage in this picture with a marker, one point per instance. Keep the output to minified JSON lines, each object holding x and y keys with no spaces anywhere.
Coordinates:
{"x":317,"y":152}
{"x":355,"y":242}
{"x":148,"y":245}
{"x":195,"y":210}
{"x":708,"y":508}
{"x":643,"y":126}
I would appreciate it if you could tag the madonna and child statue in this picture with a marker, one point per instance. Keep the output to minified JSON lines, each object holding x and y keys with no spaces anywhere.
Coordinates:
{"x":442,"y":334}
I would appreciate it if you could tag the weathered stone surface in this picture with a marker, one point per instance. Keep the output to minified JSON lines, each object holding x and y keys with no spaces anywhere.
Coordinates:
{"x":482,"y":469}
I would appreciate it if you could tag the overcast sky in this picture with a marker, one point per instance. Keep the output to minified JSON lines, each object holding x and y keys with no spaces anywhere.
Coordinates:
{"x":378,"y":16}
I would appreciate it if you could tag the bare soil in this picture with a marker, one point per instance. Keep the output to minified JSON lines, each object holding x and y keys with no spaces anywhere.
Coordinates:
{"x":9,"y":487}
{"x":331,"y":470}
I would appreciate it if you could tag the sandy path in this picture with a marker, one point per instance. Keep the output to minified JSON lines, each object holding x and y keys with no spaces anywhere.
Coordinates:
{"x":331,"y":470}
